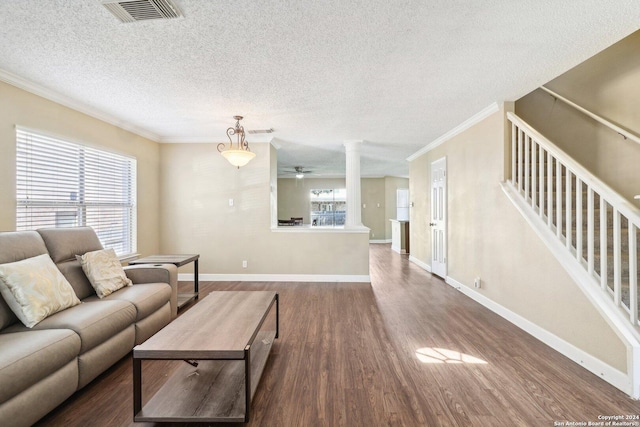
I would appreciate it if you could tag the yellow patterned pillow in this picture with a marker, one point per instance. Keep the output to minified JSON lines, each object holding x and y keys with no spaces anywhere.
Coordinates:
{"x":34,"y":288}
{"x":104,"y":271}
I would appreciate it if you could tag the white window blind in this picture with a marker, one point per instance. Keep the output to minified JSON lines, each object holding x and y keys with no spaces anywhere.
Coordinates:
{"x":63,"y":184}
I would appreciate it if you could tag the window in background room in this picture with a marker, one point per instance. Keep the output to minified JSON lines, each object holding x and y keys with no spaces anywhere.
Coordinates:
{"x":64,"y":184}
{"x":328,"y":207}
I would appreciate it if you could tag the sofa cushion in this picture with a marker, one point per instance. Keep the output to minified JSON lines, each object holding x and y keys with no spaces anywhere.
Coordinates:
{"x":16,"y":246}
{"x":28,"y":357}
{"x":146,"y":297}
{"x":26,"y":408}
{"x":19,"y":245}
{"x":7,"y":316}
{"x":65,"y":243}
{"x":104,"y":271}
{"x":34,"y":288}
{"x":94,"y":322}
{"x":72,"y":270}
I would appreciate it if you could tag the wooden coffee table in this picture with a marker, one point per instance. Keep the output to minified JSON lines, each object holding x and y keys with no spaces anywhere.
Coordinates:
{"x":228,"y":335}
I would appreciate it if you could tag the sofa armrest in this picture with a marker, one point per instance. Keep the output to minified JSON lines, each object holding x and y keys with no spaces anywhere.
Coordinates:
{"x":154,"y":273}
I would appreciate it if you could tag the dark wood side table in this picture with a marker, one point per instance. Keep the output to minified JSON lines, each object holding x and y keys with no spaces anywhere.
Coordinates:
{"x":178,"y":261}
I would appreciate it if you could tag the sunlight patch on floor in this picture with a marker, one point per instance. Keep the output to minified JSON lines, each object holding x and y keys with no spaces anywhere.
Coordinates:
{"x":441,"y":355}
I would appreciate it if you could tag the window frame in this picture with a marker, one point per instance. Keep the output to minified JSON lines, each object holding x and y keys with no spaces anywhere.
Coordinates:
{"x":104,"y":184}
{"x":333,"y":202}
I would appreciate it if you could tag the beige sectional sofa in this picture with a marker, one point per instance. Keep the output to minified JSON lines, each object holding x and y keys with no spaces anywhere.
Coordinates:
{"x":42,"y":366}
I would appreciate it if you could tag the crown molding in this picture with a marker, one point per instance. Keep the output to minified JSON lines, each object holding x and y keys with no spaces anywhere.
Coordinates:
{"x":74,"y":104}
{"x":188,"y":140}
{"x":277,"y":143}
{"x":476,"y":118}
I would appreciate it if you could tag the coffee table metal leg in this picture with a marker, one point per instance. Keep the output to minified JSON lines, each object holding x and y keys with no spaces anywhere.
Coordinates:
{"x":247,"y":382}
{"x":277,"y":315}
{"x":137,"y":386}
{"x":195,"y":278}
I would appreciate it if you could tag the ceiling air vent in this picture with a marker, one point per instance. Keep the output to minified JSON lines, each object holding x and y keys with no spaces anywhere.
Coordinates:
{"x":255,"y":131}
{"x":142,"y":10}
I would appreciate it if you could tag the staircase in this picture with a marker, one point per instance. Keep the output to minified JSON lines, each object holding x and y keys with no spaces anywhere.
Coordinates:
{"x":590,"y":228}
{"x":596,"y":225}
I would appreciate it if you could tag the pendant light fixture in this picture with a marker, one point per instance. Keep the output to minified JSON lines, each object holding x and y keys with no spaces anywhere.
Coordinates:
{"x":238,"y":153}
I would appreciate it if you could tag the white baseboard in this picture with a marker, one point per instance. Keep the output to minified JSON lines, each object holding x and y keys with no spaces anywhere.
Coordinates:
{"x":380,"y":241}
{"x":419,"y":263}
{"x":277,"y":277}
{"x":596,"y":366}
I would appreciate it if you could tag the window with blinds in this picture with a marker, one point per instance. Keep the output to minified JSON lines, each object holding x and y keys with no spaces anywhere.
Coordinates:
{"x":63,"y":184}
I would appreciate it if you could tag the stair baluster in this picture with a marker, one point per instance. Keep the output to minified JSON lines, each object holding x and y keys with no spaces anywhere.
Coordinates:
{"x":593,"y":222}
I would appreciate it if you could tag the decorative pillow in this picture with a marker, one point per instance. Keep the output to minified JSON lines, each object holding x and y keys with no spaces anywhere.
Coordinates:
{"x":104,"y":271}
{"x":34,"y":288}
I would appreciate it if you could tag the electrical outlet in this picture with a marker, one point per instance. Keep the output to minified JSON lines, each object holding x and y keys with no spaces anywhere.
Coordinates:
{"x":244,"y":264}
{"x":230,"y":202}
{"x":477,"y":283}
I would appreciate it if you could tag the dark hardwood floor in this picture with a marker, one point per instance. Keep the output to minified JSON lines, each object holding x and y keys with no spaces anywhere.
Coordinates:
{"x":348,"y":356}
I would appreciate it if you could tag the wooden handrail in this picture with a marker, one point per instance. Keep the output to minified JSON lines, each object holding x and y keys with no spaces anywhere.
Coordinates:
{"x":624,"y":132}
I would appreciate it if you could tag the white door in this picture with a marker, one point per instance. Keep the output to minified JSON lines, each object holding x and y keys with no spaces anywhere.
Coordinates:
{"x":439,"y":217}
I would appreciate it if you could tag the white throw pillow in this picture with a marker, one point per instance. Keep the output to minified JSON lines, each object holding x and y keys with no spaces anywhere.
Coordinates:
{"x":34,"y":288}
{"x":104,"y":271}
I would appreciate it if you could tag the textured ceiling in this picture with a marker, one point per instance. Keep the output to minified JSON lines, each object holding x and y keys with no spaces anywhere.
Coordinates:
{"x":396,"y":74}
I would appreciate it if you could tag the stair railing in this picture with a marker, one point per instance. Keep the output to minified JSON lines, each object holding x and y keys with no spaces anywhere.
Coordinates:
{"x":594,"y":223}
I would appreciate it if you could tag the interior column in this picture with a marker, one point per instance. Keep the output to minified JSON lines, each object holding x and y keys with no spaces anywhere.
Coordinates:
{"x":352,"y":178}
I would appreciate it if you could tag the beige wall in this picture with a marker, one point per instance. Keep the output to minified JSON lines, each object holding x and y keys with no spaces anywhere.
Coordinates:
{"x":488,"y":238}
{"x":191,"y":212}
{"x":419,"y":231}
{"x":19,"y":107}
{"x":607,"y":84}
{"x":373,"y":199}
{"x":197,"y":184}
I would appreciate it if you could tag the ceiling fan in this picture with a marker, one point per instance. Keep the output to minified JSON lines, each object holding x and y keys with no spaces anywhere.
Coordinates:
{"x":300,"y":171}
